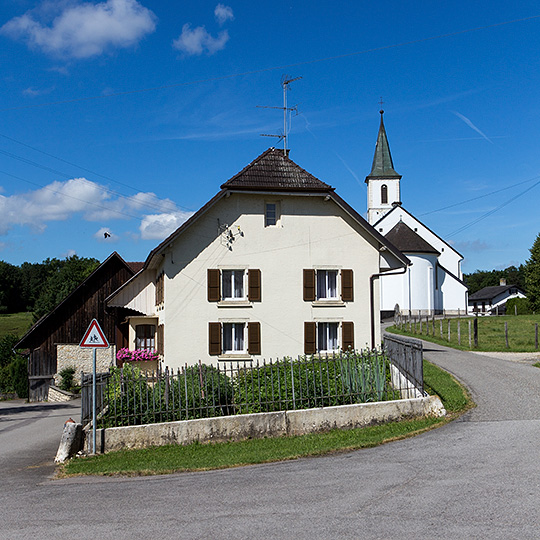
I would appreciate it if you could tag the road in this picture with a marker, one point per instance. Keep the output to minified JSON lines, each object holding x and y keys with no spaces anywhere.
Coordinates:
{"x":478,"y":477}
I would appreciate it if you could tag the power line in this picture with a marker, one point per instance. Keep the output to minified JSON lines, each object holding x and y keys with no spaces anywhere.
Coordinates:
{"x":491,"y":212}
{"x":479,"y":197}
{"x":54,"y":171}
{"x":274,"y":68}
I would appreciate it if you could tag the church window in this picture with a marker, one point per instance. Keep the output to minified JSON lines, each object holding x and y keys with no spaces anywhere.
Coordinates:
{"x":384,"y":194}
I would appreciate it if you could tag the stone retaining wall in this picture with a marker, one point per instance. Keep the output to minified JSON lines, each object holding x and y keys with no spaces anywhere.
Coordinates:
{"x":56,"y":395}
{"x":81,"y":359}
{"x":260,"y":425}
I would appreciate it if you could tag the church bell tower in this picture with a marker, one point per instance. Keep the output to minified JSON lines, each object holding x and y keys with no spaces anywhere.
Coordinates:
{"x":383,"y":181}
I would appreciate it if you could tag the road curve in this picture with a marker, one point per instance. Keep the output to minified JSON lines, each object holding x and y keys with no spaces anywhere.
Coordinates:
{"x":478,"y":477}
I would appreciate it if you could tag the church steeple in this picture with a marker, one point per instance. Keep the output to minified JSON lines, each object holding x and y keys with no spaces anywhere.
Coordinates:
{"x":383,"y":181}
{"x":383,"y":166}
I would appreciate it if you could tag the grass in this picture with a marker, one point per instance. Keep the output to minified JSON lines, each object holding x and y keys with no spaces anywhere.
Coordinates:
{"x":491,"y":333}
{"x":15,"y":323}
{"x":198,"y":457}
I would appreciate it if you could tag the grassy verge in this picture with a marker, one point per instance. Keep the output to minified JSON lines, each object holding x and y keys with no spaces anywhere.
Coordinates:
{"x":197,"y":457}
{"x":15,"y":323}
{"x":491,"y":333}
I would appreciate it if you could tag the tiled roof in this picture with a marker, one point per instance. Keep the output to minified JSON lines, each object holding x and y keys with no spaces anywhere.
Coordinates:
{"x":273,"y":170}
{"x":488,"y":293}
{"x":408,"y":241}
{"x":135,"y":266}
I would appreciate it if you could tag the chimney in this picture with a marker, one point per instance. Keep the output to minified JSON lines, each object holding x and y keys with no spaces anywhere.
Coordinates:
{"x":503,"y":282}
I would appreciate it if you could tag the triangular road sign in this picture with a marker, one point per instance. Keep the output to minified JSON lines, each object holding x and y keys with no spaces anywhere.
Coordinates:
{"x":94,"y":337}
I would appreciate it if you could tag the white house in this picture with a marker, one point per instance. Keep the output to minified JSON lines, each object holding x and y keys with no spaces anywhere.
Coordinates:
{"x":434,"y":281}
{"x":492,"y":300}
{"x":276,"y":264}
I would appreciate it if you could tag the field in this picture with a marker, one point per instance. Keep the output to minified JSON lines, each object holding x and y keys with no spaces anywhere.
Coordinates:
{"x":491,"y":332}
{"x":15,"y":323}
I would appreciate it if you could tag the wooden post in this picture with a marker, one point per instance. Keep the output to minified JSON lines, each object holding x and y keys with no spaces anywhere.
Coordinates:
{"x":433,"y":323}
{"x":515,"y":309}
{"x":470,"y":343}
{"x":459,"y":331}
{"x":420,"y":324}
{"x":448,"y":330}
{"x":506,"y":333}
{"x":476,"y":331}
{"x":440,"y":320}
{"x":536,"y":336}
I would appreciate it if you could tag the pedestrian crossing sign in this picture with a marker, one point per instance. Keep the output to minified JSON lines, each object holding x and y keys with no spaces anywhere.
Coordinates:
{"x":94,"y":337}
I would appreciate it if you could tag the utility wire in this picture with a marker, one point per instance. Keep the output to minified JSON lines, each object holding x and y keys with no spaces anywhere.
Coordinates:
{"x":14,"y":156}
{"x":479,"y":197}
{"x":274,"y":68}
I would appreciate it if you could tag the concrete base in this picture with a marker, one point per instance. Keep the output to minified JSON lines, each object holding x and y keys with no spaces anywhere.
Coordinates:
{"x":71,"y":441}
{"x":260,"y":425}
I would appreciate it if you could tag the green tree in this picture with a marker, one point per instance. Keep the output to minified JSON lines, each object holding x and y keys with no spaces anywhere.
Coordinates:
{"x":63,"y":278}
{"x":532,"y":276}
{"x":10,"y":288}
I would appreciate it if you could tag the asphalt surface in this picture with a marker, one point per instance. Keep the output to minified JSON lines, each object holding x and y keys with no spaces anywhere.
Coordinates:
{"x":478,"y":477}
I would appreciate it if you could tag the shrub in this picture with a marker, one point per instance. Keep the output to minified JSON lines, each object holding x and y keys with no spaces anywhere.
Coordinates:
{"x":18,"y":374}
{"x":522,"y":304}
{"x":66,"y":380}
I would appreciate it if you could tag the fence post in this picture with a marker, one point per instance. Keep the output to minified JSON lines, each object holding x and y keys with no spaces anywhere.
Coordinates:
{"x":506,"y":333}
{"x":476,"y":331}
{"x":440,"y":321}
{"x":536,"y":336}
{"x":459,"y":331}
{"x":470,"y":343}
{"x":448,"y":330}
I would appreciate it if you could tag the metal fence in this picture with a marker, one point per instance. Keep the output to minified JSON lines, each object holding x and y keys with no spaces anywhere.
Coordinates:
{"x":86,"y":394}
{"x":407,"y":366}
{"x":133,"y":397}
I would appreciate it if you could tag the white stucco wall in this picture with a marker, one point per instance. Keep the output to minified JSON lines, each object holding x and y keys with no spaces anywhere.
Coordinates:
{"x":311,"y":233}
{"x":376,"y":208}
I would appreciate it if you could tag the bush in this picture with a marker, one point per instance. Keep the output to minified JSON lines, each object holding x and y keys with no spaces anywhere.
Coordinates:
{"x":66,"y":380}
{"x":522,"y":304}
{"x":18,"y":374}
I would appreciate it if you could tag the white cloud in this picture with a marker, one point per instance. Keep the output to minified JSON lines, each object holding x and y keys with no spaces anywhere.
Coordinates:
{"x":61,"y":201}
{"x":472,"y":126}
{"x":475,"y":246}
{"x":85,"y":29}
{"x":159,"y":226}
{"x":223,"y":14}
{"x":196,"y":41}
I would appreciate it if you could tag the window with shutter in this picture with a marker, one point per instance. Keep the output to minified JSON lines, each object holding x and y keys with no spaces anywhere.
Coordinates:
{"x":310,"y":336}
{"x":254,"y":338}
{"x":347,"y":287}
{"x":309,"y":285}
{"x":214,"y":339}
{"x":161,"y":339}
{"x":347,"y":335}
{"x":254,"y":285}
{"x":213,"y":285}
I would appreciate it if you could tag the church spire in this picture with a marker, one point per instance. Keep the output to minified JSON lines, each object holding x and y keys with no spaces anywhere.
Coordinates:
{"x":382,"y":166}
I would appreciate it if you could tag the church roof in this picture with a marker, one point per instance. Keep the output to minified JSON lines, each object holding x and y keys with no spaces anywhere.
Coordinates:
{"x":408,"y":241}
{"x":273,"y":170}
{"x":382,"y":166}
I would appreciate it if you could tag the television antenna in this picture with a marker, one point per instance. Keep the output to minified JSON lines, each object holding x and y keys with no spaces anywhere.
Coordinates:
{"x":285,"y":81}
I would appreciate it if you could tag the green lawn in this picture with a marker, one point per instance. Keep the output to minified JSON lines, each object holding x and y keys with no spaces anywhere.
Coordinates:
{"x":196,"y":457}
{"x":491,"y":332}
{"x":15,"y":323}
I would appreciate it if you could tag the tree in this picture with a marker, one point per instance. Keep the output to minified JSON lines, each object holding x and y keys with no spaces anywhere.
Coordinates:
{"x":10,"y":288}
{"x":63,"y":278}
{"x":532,"y":276}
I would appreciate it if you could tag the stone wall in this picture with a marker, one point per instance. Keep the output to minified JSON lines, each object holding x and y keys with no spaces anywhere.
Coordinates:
{"x":81,"y":359}
{"x":260,"y":425}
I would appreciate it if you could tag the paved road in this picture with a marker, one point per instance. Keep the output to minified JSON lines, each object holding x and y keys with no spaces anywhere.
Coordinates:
{"x":478,"y":477}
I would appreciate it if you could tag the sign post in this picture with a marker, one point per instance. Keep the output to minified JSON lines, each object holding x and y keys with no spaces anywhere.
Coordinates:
{"x":94,"y":338}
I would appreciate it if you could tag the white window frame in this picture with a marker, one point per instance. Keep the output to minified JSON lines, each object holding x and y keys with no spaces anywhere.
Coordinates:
{"x":235,"y":327}
{"x":319,"y":272}
{"x":233,"y":276}
{"x":323,"y":333}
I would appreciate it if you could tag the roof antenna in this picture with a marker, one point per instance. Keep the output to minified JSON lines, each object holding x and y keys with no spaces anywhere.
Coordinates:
{"x":285,"y":81}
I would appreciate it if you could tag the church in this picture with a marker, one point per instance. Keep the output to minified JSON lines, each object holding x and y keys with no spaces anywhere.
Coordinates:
{"x":433,"y":283}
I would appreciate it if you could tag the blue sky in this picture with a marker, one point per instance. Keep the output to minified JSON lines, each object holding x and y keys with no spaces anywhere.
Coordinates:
{"x":126,"y":115}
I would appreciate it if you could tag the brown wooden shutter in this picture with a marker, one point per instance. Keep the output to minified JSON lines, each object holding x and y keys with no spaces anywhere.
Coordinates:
{"x":310,"y":338}
{"x":160,"y":339}
{"x":347,"y":335}
{"x":254,"y":285}
{"x":347,"y":294}
{"x":309,"y":285}
{"x":213,"y":285}
{"x":214,"y":338}
{"x":254,"y":338}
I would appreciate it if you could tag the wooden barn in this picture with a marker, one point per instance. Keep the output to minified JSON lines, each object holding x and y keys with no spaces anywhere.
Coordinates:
{"x":53,"y":342}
